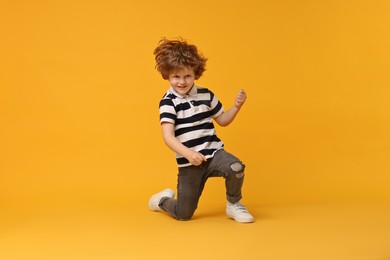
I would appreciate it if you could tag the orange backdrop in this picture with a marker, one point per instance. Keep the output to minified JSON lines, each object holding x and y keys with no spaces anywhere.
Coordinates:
{"x":79,"y":98}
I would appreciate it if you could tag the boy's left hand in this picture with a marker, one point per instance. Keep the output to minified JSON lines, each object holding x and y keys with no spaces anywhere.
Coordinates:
{"x":240,"y":98}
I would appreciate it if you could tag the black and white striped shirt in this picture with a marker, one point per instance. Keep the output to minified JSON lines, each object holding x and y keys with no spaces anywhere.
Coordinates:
{"x":193,"y":116}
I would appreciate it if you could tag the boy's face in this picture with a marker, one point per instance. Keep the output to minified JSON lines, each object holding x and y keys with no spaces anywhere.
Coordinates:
{"x":182,"y":80}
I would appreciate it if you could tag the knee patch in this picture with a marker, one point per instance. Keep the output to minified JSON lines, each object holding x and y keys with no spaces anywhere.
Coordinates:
{"x":238,"y":169}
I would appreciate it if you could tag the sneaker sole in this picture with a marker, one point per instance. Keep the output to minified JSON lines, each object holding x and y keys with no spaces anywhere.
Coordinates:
{"x":242,"y":220}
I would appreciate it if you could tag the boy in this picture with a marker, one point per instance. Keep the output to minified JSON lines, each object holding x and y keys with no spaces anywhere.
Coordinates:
{"x":186,"y":116}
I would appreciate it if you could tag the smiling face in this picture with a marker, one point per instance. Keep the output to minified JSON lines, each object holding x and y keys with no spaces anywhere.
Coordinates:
{"x":182,"y":80}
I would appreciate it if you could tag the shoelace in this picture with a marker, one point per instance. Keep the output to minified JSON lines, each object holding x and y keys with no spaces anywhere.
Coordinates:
{"x":240,"y":207}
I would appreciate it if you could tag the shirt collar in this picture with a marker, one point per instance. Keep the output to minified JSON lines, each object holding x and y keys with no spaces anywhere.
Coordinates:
{"x":192,"y":93}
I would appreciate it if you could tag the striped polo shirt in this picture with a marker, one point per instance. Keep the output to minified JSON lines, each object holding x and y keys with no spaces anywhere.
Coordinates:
{"x":193,"y":116}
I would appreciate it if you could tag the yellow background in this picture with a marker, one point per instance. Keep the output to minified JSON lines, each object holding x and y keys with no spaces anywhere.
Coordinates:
{"x":79,"y":95}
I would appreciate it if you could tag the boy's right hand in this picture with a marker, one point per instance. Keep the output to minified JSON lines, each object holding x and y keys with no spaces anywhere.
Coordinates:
{"x":240,"y":98}
{"x":196,"y":158}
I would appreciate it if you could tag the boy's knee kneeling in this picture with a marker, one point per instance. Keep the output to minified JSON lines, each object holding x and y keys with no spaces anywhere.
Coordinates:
{"x":185,"y":215}
{"x":184,"y":219}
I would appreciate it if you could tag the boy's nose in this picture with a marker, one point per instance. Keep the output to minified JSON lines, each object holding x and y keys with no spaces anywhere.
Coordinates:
{"x":182,"y":81}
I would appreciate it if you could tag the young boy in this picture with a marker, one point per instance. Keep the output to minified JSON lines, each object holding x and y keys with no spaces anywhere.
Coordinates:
{"x":186,"y":116}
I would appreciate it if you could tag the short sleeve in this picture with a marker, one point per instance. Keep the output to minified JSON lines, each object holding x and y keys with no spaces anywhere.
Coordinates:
{"x":167,"y":111}
{"x":216,"y":105}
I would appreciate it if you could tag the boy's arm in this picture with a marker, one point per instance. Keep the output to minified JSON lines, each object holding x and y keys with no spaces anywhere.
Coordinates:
{"x":168,"y":131}
{"x":228,"y":116}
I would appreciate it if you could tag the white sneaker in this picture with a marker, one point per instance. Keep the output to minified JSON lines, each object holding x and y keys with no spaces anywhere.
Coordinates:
{"x":156,"y":198}
{"x":239,"y":213}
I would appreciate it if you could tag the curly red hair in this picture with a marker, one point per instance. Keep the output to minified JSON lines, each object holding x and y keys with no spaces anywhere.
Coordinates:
{"x":173,"y":55}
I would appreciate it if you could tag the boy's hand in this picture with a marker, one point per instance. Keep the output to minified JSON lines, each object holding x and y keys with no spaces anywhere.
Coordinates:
{"x":240,"y":98}
{"x":196,"y":158}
